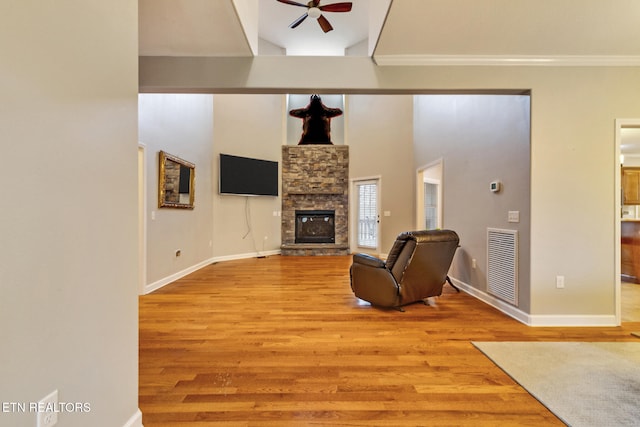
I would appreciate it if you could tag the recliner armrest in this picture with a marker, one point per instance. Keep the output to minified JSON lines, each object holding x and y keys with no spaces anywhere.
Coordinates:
{"x":368,"y":260}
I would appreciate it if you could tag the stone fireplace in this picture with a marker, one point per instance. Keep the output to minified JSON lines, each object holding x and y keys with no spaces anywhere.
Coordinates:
{"x":315,"y":200}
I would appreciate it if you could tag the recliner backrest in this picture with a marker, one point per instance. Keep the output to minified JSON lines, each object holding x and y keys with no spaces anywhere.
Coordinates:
{"x":427,"y":270}
{"x":403,"y":260}
{"x":399,"y":255}
{"x":395,"y":251}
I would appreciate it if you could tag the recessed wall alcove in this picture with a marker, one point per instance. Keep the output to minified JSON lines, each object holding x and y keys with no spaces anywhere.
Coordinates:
{"x":315,"y":177}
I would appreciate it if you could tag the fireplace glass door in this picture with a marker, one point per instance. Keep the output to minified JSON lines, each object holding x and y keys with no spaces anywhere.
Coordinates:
{"x":315,"y":226}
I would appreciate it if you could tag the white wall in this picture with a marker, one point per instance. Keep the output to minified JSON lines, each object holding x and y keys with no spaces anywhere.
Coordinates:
{"x":68,"y":276}
{"x":181,"y":125}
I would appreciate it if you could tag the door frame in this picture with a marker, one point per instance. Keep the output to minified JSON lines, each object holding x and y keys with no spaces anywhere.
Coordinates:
{"x":438,"y":167}
{"x":142,"y":218}
{"x":619,"y":125}
{"x":353,"y":220}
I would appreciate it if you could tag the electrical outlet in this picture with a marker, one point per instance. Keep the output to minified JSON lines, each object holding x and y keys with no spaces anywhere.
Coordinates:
{"x":560,"y":282}
{"x":47,"y":415}
{"x":474,"y":264}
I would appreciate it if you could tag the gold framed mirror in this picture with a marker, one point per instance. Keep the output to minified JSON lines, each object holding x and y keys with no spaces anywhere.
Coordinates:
{"x":176,"y":187}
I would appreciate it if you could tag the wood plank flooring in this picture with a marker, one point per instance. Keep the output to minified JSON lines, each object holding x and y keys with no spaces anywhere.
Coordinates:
{"x":282,"y":341}
{"x":630,"y":302}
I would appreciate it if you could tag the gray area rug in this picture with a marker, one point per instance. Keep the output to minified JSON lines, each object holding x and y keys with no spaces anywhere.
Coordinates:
{"x":582,"y":383}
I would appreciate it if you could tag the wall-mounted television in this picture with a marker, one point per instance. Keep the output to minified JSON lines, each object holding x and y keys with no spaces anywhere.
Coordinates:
{"x":245,"y":176}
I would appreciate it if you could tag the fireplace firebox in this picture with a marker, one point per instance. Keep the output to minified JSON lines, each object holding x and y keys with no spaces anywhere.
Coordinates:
{"x":315,"y":226}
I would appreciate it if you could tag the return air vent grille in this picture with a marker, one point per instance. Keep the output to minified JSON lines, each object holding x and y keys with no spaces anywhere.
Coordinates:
{"x":502,"y":264}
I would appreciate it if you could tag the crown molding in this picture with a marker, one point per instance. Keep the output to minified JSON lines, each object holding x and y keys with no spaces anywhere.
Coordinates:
{"x":504,"y":60}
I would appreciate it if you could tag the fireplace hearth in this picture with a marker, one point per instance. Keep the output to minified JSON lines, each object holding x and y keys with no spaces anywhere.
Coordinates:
{"x":315,"y":226}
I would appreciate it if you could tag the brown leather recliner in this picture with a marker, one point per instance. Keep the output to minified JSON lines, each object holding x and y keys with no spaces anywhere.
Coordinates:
{"x":415,"y":270}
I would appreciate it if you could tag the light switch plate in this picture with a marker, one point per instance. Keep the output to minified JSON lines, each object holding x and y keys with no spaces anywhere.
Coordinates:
{"x":514,"y":216}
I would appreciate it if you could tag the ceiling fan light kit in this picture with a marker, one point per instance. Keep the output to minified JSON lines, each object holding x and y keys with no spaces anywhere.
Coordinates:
{"x":314,"y":10}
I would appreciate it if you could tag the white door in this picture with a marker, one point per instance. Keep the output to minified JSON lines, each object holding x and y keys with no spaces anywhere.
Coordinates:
{"x":367,"y":213}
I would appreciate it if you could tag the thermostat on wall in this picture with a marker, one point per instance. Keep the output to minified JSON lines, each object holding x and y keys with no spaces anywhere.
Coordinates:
{"x":495,"y":186}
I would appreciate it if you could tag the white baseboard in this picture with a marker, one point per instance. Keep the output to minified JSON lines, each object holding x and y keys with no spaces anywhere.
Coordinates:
{"x":494,"y":302}
{"x":135,"y":420}
{"x":536,"y":319}
{"x":175,"y":276}
{"x":180,"y":274}
{"x":572,"y":320}
{"x":245,"y":256}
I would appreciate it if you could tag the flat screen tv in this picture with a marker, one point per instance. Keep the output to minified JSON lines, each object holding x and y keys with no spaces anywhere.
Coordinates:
{"x":248,"y":177}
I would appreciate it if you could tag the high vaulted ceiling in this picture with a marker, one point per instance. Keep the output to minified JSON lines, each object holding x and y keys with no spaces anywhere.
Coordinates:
{"x":580,"y":32}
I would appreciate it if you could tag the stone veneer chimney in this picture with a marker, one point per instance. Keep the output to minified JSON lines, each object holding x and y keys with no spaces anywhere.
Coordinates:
{"x":315,"y":177}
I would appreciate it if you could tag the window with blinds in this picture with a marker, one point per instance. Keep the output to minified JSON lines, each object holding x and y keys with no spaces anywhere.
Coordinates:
{"x":368,"y":215}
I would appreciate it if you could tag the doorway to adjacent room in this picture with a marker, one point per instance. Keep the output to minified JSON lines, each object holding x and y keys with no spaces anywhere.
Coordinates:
{"x":627,"y":155}
{"x":429,"y":196}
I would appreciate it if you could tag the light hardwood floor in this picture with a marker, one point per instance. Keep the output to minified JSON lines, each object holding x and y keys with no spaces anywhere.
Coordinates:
{"x":630,"y":302}
{"x":282,"y":341}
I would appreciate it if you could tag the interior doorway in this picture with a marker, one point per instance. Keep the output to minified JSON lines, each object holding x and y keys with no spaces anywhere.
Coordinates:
{"x":429,"y":196}
{"x":627,"y":155}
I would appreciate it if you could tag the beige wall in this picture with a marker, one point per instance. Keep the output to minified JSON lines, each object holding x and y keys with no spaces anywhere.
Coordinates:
{"x":247,"y":126}
{"x":380,"y":135}
{"x":68,"y":276}
{"x":181,"y":125}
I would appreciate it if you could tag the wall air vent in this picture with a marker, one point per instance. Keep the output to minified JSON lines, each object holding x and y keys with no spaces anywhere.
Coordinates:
{"x":502,"y":264}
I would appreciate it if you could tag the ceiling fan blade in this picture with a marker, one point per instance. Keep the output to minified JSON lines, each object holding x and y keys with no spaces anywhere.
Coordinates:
{"x":324,"y":24}
{"x":298,"y":21}
{"x":293,"y":3}
{"x":316,"y":3}
{"x":336,"y":7}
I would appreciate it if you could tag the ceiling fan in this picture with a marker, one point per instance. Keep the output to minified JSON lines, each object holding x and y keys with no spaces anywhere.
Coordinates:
{"x":314,"y":10}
